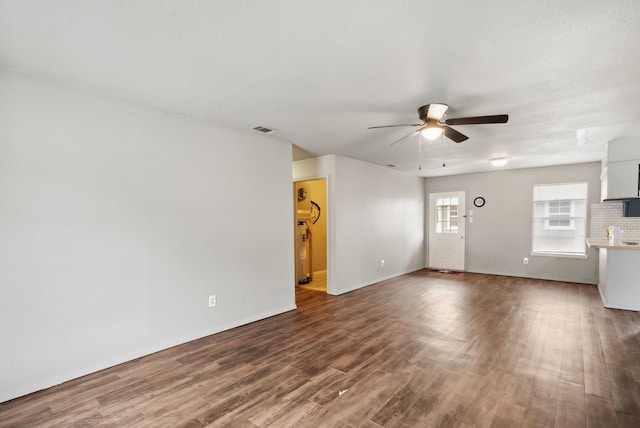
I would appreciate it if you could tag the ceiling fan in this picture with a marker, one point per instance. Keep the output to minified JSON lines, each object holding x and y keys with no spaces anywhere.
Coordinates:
{"x":433,"y":126}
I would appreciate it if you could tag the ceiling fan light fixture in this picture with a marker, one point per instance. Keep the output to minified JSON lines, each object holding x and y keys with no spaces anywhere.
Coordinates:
{"x":499,"y":161}
{"x":431,"y":132}
{"x":437,"y":111}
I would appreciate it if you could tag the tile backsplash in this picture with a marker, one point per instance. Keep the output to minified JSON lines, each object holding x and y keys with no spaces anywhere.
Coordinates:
{"x":611,"y":214}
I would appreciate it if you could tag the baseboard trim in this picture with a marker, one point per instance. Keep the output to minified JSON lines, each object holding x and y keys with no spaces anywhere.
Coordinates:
{"x":375,"y":281}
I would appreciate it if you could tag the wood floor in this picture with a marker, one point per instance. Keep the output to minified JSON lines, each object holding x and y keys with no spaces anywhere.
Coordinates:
{"x":422,"y":350}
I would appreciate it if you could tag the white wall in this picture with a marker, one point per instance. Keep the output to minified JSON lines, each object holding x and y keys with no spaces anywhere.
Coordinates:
{"x":501,"y":232}
{"x":374,"y":214}
{"x":116,"y":223}
{"x":380,"y":215}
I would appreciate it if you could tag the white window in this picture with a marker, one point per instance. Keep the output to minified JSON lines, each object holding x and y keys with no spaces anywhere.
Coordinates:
{"x":447,"y":215}
{"x":559,"y":219}
{"x":559,"y":215}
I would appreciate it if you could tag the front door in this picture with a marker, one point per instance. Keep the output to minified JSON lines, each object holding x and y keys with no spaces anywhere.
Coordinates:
{"x":447,"y":230}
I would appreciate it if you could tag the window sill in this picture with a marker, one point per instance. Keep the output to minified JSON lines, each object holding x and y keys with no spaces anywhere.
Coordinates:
{"x":567,"y":255}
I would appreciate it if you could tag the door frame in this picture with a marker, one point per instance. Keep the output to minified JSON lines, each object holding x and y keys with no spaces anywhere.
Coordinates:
{"x":427,"y":226}
{"x":329,"y":218}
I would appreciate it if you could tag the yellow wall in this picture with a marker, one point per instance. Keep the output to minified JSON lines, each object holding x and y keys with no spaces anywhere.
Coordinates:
{"x":318,"y":193}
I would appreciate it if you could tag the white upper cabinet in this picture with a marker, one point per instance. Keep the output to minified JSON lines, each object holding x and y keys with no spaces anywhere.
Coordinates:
{"x":623,"y":149}
{"x":621,"y":169}
{"x":622,"y":179}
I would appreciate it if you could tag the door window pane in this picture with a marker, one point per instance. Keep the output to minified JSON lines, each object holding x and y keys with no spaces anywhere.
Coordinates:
{"x":447,"y":215}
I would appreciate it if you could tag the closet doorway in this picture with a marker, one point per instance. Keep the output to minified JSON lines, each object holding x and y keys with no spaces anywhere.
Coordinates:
{"x":310,"y":202}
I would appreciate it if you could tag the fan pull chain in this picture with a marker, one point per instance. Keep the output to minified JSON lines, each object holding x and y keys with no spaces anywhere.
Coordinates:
{"x":442,"y":138}
{"x":420,"y":152}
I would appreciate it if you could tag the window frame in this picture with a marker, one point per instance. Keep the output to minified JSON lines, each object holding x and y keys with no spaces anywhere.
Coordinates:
{"x":540,"y":220}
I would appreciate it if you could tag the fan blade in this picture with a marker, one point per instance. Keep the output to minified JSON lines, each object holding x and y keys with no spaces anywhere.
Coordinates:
{"x":393,"y":126}
{"x":454,"y":135}
{"x":478,"y":120}
{"x":406,"y":136}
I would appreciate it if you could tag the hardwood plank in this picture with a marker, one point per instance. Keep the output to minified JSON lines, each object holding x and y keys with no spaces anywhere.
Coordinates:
{"x":454,"y":402}
{"x":410,"y":401}
{"x":600,"y":412}
{"x":363,"y":399}
{"x":486,"y":401}
{"x":596,"y":377}
{"x":279,"y":404}
{"x":297,"y":415}
{"x":508,"y":415}
{"x":542,"y":406}
{"x":427,"y":403}
{"x":627,"y":421}
{"x":571,"y":405}
{"x":518,"y":390}
{"x":625,"y":391}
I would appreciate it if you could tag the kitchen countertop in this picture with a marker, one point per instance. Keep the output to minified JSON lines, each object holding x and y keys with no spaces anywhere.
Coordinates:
{"x":618,"y":245}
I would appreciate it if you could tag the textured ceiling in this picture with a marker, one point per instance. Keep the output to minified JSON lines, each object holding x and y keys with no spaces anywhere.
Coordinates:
{"x":321,"y":72}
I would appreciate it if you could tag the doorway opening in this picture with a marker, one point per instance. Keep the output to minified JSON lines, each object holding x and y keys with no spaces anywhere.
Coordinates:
{"x":310,"y":198}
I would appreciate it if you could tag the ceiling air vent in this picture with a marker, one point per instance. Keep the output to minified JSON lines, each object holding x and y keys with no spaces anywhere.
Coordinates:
{"x":264,"y":130}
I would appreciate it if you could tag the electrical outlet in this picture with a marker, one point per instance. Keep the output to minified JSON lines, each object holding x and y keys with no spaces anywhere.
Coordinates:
{"x":381,"y":262}
{"x":525,"y":261}
{"x":212,"y":301}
